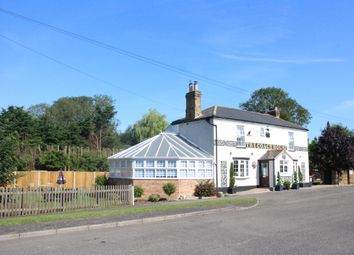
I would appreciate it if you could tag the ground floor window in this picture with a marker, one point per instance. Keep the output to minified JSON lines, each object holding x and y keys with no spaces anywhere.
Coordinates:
{"x":241,"y":168}
{"x":283,"y":166}
{"x":172,"y":169}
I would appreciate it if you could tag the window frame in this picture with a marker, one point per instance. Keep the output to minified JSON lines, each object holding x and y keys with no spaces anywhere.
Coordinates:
{"x":291,"y":141}
{"x":283,"y":166}
{"x":241,"y":168}
{"x":240,"y":136}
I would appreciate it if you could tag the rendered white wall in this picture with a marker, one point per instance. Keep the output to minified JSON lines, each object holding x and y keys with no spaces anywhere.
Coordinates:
{"x":201,"y":133}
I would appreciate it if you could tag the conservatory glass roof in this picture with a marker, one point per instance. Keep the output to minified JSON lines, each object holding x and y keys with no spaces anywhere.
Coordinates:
{"x":165,"y":146}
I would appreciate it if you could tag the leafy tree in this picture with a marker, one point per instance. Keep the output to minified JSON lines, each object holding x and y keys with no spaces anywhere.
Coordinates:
{"x":334,"y":149}
{"x":38,"y":110}
{"x":80,"y":121}
{"x":313,"y":154}
{"x":103,"y":121}
{"x":15,"y":120}
{"x":8,"y":162}
{"x":261,"y":100}
{"x":52,"y":161}
{"x":148,"y":126}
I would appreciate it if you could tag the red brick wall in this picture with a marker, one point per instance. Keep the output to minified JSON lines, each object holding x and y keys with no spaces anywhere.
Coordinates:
{"x":184,"y":188}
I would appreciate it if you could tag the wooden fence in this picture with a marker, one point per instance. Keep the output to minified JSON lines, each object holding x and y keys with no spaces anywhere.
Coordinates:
{"x":29,"y":201}
{"x":74,"y":179}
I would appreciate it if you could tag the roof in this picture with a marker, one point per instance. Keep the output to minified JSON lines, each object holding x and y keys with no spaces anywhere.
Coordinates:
{"x":242,"y":115}
{"x":165,"y":146}
{"x":272,"y":154}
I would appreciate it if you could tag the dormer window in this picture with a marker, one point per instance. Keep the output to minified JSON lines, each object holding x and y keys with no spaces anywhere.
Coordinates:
{"x":240,"y":140}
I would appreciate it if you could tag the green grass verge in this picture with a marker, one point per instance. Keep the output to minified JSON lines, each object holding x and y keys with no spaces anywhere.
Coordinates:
{"x":121,"y":211}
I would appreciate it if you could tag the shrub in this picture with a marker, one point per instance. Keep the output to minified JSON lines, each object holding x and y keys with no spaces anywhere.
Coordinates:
{"x":52,"y":160}
{"x":101,"y":180}
{"x":205,"y":189}
{"x":287,"y":184}
{"x":169,"y":188}
{"x":232,"y":175}
{"x":138,"y":191}
{"x":154,"y":198}
{"x":295,"y":177}
{"x":299,"y":173}
{"x":279,"y":180}
{"x":89,"y":161}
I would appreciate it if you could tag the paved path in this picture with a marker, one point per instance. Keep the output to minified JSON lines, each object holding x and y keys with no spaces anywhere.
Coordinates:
{"x":309,"y":221}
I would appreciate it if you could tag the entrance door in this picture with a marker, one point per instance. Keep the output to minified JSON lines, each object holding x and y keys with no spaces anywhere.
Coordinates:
{"x":264,"y":175}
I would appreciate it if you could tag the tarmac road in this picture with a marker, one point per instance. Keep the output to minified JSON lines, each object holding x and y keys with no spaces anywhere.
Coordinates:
{"x":308,"y":221}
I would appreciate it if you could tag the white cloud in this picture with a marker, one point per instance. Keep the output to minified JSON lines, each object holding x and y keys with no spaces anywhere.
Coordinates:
{"x":346,"y":105}
{"x":283,"y":60}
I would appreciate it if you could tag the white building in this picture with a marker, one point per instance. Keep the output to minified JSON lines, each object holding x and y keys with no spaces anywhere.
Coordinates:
{"x":260,"y":145}
{"x":204,"y":143}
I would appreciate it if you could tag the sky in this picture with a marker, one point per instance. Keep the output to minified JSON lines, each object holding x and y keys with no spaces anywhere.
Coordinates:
{"x":144,"y":53}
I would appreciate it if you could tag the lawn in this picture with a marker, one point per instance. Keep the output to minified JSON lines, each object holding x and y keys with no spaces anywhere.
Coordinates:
{"x":158,"y":207}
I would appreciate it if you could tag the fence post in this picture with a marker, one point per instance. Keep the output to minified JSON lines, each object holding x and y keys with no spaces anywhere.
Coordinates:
{"x":131,"y":194}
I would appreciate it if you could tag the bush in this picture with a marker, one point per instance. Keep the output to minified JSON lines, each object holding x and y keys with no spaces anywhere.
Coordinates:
{"x":138,"y":191}
{"x":89,"y":161}
{"x":279,"y":180}
{"x":232,"y":176}
{"x":299,"y":173}
{"x":287,"y":184}
{"x":169,"y":188}
{"x":52,"y":160}
{"x":154,"y":198}
{"x":101,"y":180}
{"x":205,"y":189}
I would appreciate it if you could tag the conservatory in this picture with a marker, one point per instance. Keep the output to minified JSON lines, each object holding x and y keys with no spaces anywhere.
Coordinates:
{"x":166,"y":157}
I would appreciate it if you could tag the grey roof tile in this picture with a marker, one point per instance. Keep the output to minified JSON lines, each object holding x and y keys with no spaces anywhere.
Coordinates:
{"x":242,"y":115}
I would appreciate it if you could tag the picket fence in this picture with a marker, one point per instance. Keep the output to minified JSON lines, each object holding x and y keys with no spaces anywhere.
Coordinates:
{"x":29,"y":201}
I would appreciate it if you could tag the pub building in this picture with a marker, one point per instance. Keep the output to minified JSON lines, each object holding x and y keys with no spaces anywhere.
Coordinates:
{"x":259,"y":144}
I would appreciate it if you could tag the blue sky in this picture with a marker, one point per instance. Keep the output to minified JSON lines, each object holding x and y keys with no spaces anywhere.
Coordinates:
{"x":303,"y":47}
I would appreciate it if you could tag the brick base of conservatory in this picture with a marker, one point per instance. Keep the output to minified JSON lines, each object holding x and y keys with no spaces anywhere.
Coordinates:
{"x":184,"y":188}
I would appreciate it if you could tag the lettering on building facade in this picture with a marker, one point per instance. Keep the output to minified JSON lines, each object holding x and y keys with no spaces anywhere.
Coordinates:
{"x":266,"y":146}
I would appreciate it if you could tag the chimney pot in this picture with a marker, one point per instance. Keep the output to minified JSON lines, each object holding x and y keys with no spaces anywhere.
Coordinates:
{"x":190,"y":85}
{"x":195,"y":85}
{"x":274,"y":111}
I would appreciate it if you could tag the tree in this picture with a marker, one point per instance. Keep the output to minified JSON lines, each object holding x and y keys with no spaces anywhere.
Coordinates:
{"x":15,"y":120}
{"x":8,"y":162}
{"x":148,"y":126}
{"x":82,"y":121}
{"x":38,"y":110}
{"x":261,"y":100}
{"x":334,"y":150}
{"x":313,"y":153}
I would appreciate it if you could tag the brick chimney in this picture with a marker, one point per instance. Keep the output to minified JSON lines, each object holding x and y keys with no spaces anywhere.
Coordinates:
{"x":274,"y":111}
{"x":193,"y":102}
